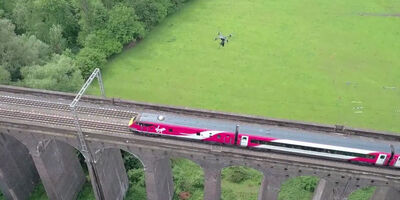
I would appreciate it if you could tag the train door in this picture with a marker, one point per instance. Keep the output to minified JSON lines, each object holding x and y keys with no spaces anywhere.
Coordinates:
{"x":244,"y":141}
{"x":381,"y":159}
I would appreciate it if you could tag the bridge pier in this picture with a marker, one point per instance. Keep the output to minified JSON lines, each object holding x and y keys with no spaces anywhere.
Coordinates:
{"x":59,"y":169}
{"x":334,"y":190}
{"x":386,"y":193}
{"x":18,"y":175}
{"x":158,"y":175}
{"x":270,"y":186}
{"x":111,"y":173}
{"x":212,"y":183}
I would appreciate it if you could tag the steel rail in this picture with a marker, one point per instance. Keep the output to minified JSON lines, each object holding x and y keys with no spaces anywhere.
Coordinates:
{"x":123,"y":114}
{"x":63,"y":120}
{"x":206,"y":113}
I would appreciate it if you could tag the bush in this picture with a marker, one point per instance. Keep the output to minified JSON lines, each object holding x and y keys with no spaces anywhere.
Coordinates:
{"x":136,"y":177}
{"x":309,"y":183}
{"x":175,"y":5}
{"x":89,"y":59}
{"x":150,"y":12}
{"x":130,"y":161}
{"x":236,"y":174}
{"x":299,"y":188}
{"x":5,"y":76}
{"x":188,"y":177}
{"x":60,"y":74}
{"x":104,"y":42}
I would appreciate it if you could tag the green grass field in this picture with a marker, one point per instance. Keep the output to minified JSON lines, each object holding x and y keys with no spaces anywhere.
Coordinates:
{"x":333,"y":62}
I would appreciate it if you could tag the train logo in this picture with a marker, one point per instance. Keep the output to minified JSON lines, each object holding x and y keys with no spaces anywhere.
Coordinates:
{"x":160,"y":130}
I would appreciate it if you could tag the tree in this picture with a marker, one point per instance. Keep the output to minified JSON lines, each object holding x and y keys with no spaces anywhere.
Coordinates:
{"x":150,"y":12}
{"x":18,"y":51}
{"x":103,"y":41}
{"x":92,"y":16}
{"x":5,"y":76}
{"x":24,"y":16}
{"x":175,"y":5}
{"x":123,"y":24}
{"x":37,"y":17}
{"x":88,"y":59}
{"x":7,"y":6}
{"x":60,"y":74}
{"x":56,"y":40}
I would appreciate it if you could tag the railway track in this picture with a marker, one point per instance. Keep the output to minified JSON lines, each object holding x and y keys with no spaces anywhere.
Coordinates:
{"x":65,"y":107}
{"x":66,"y":120}
{"x":393,"y":137}
{"x":58,"y":120}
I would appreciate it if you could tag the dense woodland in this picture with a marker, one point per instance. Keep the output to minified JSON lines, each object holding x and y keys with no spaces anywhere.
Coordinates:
{"x":56,"y":44}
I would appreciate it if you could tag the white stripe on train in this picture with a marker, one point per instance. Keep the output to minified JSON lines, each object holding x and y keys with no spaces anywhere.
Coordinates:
{"x":323,"y":146}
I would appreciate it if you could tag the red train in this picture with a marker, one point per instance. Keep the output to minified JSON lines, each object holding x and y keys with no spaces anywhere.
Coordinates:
{"x":185,"y":128}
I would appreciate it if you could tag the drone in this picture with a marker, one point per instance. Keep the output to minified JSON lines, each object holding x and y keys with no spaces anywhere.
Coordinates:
{"x":223,"y":38}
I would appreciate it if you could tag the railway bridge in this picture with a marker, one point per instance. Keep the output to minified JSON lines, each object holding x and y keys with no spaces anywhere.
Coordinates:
{"x":38,"y":141}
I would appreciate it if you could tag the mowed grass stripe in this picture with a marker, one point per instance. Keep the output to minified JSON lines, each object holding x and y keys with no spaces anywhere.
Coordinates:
{"x":334,"y":62}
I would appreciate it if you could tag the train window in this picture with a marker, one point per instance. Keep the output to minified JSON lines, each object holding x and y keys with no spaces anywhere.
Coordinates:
{"x":382,"y":157}
{"x":143,"y":124}
{"x":219,"y":136}
{"x":198,"y":133}
{"x":170,"y":130}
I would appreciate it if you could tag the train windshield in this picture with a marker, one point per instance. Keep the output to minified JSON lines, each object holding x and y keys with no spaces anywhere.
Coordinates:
{"x":131,"y":121}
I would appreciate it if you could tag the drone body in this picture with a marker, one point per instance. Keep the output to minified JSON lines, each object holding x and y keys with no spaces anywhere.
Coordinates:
{"x":223,"y":38}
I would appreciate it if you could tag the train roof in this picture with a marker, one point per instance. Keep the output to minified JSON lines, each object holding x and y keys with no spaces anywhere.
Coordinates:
{"x":270,"y":131}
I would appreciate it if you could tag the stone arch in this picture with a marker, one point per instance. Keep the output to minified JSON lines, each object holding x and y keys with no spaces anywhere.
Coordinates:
{"x":240,"y":181}
{"x":157,"y":170}
{"x":18,"y":174}
{"x":109,"y":170}
{"x":188,"y":177}
{"x":59,"y":168}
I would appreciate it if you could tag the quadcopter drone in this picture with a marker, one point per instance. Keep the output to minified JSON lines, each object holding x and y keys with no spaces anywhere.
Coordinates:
{"x":223,"y":38}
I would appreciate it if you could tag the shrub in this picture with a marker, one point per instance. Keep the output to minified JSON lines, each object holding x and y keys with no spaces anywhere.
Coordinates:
{"x":88,"y":59}
{"x":104,"y":42}
{"x":236,"y":174}
{"x":150,"y":12}
{"x":123,"y":24}
{"x":60,"y":74}
{"x":5,"y":76}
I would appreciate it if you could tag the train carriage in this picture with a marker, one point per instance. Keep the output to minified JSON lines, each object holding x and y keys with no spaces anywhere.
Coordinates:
{"x":214,"y":132}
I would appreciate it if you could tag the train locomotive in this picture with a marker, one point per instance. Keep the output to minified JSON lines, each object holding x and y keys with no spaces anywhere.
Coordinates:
{"x":217,"y":133}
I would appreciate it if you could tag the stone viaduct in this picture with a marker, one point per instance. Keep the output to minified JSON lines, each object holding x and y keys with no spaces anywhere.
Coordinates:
{"x":32,"y":152}
{"x":42,"y":151}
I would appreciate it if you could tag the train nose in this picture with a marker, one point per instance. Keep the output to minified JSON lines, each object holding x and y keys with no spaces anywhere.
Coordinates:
{"x":131,"y":121}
